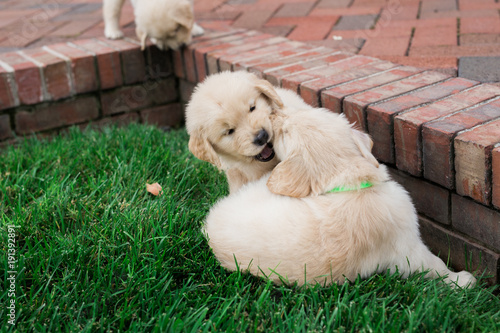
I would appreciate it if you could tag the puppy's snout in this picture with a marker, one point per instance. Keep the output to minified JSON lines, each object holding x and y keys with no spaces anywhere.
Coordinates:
{"x":261,"y":138}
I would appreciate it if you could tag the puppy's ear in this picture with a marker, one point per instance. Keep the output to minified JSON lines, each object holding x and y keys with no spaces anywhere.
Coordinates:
{"x":291,"y":178}
{"x":202,"y":149}
{"x":267,"y":89}
{"x":142,"y":35}
{"x":364,"y":144}
{"x":183,"y":14}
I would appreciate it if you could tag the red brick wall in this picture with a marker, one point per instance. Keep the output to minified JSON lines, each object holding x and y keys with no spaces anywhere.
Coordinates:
{"x":440,"y":135}
{"x":96,"y":81}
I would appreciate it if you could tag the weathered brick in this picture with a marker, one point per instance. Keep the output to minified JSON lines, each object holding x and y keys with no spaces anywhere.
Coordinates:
{"x":188,"y":52}
{"x":425,"y":36}
{"x":108,"y":62}
{"x":227,"y":62}
{"x":288,"y":49}
{"x":437,"y":138}
{"x":120,"y":120}
{"x":56,"y":76}
{"x":199,"y":72}
{"x":356,"y":22}
{"x":186,"y":89}
{"x":354,"y":106}
{"x":8,"y":88}
{"x":139,"y":96}
{"x":164,"y":115}
{"x":461,"y":252}
{"x":480,"y":68}
{"x":311,"y":90}
{"x":294,"y":9}
{"x":159,"y":63}
{"x":252,"y":43}
{"x":27,"y":77}
{"x":312,"y":28}
{"x":253,"y":19}
{"x":162,"y":91}
{"x":380,"y":117}
{"x":473,"y":161}
{"x":178,"y":64}
{"x":5,"y":129}
{"x":333,"y":98}
{"x":476,"y":220}
{"x":295,"y":81}
{"x":387,"y":46}
{"x":276,"y":75}
{"x":430,"y":200}
{"x":322,"y":4}
{"x":132,"y":59}
{"x":482,"y":25}
{"x":495,"y":161}
{"x":82,"y":67}
{"x":49,"y":116}
{"x":407,"y":126}
{"x":260,"y":68}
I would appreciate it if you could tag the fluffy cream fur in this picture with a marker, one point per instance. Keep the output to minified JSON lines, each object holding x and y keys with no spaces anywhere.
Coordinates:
{"x":222,"y":127}
{"x":168,"y":23}
{"x":307,"y":235}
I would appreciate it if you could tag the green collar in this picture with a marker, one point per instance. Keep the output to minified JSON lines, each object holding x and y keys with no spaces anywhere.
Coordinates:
{"x":345,"y":189}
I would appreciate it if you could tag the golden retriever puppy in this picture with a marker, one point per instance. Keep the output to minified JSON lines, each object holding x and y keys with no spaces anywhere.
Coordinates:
{"x":334,"y":214}
{"x":168,"y":23}
{"x":228,"y":120}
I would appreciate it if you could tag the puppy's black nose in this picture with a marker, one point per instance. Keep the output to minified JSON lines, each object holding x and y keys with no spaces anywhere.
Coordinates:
{"x":261,"y":138}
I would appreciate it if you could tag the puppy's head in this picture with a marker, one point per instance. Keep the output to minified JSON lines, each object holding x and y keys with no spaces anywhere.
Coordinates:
{"x":167,"y":23}
{"x":228,"y":117}
{"x":319,"y":151}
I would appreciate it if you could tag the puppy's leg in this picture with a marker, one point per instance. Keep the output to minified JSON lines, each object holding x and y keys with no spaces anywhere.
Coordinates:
{"x":197,"y":30}
{"x":438,"y":268}
{"x":421,"y":259}
{"x":111,"y":13}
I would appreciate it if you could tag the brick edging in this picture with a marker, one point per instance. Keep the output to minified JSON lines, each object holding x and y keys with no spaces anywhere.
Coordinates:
{"x":439,"y":134}
{"x":47,"y":89}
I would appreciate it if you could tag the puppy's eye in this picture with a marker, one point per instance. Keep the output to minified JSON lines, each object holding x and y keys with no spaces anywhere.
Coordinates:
{"x":230,"y":131}
{"x":252,"y":108}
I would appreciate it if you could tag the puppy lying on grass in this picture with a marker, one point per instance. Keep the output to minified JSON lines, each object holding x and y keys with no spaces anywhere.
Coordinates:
{"x":326,"y":213}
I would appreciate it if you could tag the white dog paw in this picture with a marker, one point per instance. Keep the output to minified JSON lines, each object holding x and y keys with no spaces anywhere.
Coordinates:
{"x":113,"y":33}
{"x":463,"y":279}
{"x":197,"y":30}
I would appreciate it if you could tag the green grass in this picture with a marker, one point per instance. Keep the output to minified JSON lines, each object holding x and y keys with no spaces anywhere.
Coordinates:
{"x":98,"y":253}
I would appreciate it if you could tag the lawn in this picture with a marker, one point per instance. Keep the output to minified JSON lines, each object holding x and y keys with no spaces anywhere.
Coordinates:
{"x":96,"y":252}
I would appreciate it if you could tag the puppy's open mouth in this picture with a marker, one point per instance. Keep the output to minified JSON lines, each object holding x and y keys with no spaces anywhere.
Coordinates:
{"x":266,"y":154}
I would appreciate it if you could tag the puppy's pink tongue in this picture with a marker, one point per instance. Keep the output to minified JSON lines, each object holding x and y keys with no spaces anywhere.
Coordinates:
{"x":266,"y":152}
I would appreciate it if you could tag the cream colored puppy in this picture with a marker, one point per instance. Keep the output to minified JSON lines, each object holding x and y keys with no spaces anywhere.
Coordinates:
{"x":168,"y":23}
{"x":228,"y":120}
{"x":334,"y":214}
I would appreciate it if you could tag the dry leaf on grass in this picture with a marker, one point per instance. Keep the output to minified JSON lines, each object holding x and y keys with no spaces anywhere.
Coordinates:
{"x":154,"y":189}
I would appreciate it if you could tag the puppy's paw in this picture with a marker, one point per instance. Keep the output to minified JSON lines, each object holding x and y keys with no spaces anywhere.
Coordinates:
{"x":197,"y":30}
{"x":112,"y":33}
{"x":463,"y":279}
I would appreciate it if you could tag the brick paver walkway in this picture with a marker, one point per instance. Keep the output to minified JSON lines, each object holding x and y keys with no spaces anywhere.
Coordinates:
{"x":453,"y":36}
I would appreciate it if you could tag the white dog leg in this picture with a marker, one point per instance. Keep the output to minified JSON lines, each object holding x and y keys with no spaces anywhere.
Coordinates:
{"x":111,"y":13}
{"x":424,"y":260}
{"x":197,"y":30}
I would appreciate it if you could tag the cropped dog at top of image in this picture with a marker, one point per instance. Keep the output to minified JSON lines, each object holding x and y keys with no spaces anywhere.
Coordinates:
{"x":168,"y":23}
{"x":302,"y":231}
